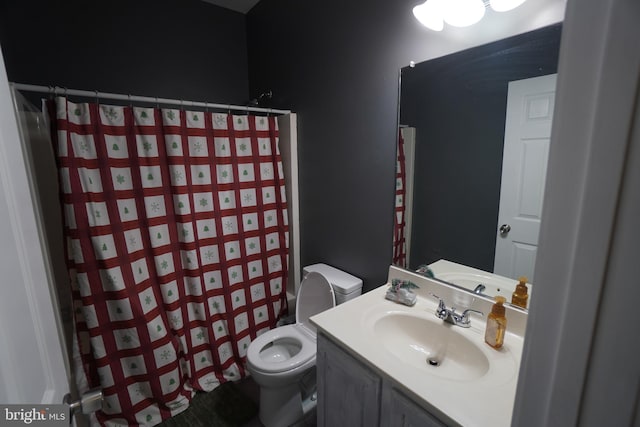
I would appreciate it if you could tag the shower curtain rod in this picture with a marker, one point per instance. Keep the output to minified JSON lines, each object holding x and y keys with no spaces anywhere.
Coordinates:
{"x":154,"y":100}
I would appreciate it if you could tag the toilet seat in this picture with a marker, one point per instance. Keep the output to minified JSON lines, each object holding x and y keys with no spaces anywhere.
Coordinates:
{"x":314,"y":296}
{"x":291,"y":332}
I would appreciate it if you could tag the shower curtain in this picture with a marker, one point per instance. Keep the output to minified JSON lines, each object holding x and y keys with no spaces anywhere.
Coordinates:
{"x":399,"y":242}
{"x":176,"y":236}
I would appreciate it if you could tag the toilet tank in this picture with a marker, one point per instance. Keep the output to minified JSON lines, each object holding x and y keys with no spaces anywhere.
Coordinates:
{"x":345,"y":286}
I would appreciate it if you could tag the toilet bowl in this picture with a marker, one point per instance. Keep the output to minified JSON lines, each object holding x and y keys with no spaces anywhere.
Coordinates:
{"x":282,"y":360}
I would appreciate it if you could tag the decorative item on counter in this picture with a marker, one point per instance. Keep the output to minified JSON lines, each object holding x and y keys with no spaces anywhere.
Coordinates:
{"x":520,"y":296}
{"x":401,"y":291}
{"x":496,"y":324}
{"x":425,"y":271}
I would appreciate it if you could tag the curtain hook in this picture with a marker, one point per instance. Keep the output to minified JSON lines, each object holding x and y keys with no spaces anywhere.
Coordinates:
{"x":206,"y":107}
{"x":229,"y":109}
{"x":157,"y":103}
{"x":65,"y":92}
{"x":97,"y":97}
{"x":130,"y":101}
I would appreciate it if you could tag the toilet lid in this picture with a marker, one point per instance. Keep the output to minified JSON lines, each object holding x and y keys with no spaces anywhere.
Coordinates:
{"x":314,"y":296}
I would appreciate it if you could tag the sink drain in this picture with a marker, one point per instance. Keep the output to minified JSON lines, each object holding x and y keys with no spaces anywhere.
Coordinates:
{"x":433,"y":362}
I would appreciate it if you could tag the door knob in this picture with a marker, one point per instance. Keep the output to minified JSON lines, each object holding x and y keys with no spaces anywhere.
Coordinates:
{"x":89,"y":402}
{"x":505,"y":229}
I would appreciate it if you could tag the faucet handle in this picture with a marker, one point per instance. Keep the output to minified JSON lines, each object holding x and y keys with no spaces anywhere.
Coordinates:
{"x":441,"y":311}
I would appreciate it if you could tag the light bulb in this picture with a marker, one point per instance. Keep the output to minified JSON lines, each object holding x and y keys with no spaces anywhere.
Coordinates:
{"x":462,"y":13}
{"x":429,"y":14}
{"x":504,"y":5}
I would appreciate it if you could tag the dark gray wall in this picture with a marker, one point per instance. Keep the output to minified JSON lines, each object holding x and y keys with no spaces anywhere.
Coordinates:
{"x":184,"y":49}
{"x":336,"y":63}
{"x":458,"y":105}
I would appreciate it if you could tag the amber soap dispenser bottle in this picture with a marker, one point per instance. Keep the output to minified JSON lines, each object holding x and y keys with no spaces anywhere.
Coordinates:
{"x":496,"y":324}
{"x":520,"y":295}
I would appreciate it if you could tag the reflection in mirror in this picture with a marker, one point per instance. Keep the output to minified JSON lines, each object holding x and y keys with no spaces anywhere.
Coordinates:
{"x":461,"y":117}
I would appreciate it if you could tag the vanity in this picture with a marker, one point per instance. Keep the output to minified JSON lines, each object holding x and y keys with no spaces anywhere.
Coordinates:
{"x":380,"y":363}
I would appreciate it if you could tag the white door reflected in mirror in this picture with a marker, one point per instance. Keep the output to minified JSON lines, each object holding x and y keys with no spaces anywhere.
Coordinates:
{"x":524,"y":168}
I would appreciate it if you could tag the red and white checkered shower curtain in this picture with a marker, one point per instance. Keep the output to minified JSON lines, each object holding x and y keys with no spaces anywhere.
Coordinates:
{"x":176,"y":229}
{"x":399,"y":224}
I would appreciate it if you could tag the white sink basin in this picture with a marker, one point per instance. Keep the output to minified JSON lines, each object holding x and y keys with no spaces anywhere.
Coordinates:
{"x":431,"y":346}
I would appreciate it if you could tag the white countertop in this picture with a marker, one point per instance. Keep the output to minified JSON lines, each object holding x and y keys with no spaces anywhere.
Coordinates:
{"x":485,"y":401}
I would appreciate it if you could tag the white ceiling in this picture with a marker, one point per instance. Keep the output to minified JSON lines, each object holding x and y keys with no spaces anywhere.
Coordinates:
{"x":242,"y":6}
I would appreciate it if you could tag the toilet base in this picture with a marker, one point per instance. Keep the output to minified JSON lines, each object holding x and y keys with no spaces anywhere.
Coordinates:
{"x":280,"y":407}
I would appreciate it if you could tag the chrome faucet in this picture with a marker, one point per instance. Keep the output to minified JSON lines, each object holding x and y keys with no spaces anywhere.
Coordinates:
{"x":479,"y":289}
{"x":450,"y":315}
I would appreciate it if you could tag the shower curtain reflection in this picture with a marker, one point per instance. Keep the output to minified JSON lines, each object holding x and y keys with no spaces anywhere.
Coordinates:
{"x":399,"y":225}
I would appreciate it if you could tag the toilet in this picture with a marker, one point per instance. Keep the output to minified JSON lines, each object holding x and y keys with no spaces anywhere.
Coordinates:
{"x":282,"y":361}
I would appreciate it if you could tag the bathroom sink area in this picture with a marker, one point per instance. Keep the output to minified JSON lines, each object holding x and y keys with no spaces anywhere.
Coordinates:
{"x":469,"y":278}
{"x":431,"y":346}
{"x":447,"y":369}
{"x":493,"y":286}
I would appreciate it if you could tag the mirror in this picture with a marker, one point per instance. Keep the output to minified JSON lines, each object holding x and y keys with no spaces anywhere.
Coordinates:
{"x":453,"y":113}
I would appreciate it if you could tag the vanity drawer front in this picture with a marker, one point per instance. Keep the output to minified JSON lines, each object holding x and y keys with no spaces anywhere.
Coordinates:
{"x":348,"y":392}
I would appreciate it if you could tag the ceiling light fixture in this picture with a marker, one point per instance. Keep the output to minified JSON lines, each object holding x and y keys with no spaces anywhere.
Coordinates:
{"x":505,"y":5}
{"x":462,"y":13}
{"x":458,"y":13}
{"x":429,"y":14}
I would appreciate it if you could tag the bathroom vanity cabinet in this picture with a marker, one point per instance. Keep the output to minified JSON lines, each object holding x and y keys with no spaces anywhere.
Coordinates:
{"x":350,"y":393}
{"x":372,"y":368}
